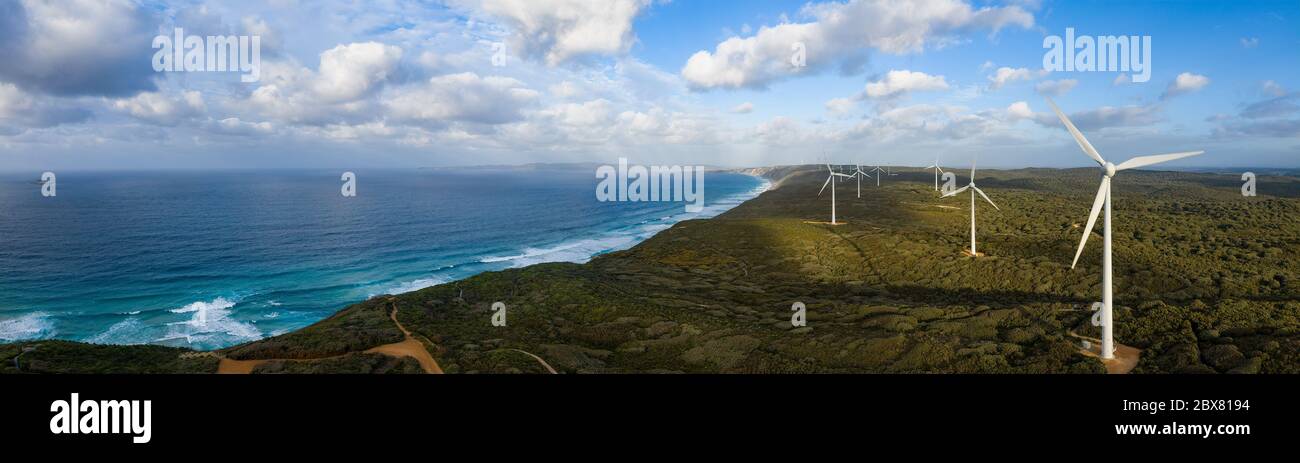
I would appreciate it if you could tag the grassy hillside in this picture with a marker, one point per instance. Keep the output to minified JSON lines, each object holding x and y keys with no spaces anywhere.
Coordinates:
{"x":1205,"y":282}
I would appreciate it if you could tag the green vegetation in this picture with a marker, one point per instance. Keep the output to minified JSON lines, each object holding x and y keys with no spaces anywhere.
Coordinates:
{"x":1205,"y":282}
{"x":76,"y":357}
{"x":355,"y":328}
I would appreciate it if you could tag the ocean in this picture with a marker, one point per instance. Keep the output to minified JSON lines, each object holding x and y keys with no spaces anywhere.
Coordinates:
{"x":212,"y":259}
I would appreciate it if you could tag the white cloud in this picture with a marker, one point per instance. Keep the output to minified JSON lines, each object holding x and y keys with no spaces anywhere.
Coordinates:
{"x":1121,"y":80}
{"x":463,"y":97}
{"x":1019,"y":110}
{"x":841,"y":31}
{"x":1185,"y":83}
{"x":839,"y":107}
{"x":560,"y":31}
{"x":1056,"y":87}
{"x":780,"y":131}
{"x":743,"y":108}
{"x":1249,"y":42}
{"x":348,"y":72}
{"x":20,"y":111}
{"x":162,"y":109}
{"x":1005,"y":75}
{"x":235,"y":126}
{"x":898,"y":83}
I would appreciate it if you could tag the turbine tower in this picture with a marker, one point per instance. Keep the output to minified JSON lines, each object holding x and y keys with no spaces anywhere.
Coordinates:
{"x":831,"y":174}
{"x":1108,"y":170}
{"x":973,"y":189}
{"x":937,"y":170}
{"x":878,"y":171}
{"x":859,"y":174}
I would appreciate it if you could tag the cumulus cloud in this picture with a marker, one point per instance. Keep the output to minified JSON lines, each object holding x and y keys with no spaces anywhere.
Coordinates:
{"x":898,"y":83}
{"x":20,"y":110}
{"x":77,"y":47}
{"x":463,"y":97}
{"x":1019,"y":110}
{"x":929,"y":122}
{"x":161,"y":109}
{"x":1005,"y":75}
{"x":235,"y":126}
{"x":348,"y":72}
{"x":841,"y":31}
{"x":1056,"y":87}
{"x":1185,"y":83}
{"x":561,"y":31}
{"x":743,"y":108}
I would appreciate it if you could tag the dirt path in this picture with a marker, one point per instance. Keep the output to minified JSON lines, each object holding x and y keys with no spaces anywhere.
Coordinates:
{"x":409,"y":347}
{"x":545,"y":365}
{"x":1126,"y":357}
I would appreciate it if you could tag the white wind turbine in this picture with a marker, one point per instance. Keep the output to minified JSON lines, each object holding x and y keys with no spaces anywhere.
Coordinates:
{"x":973,"y":189}
{"x":859,"y":174}
{"x":1108,"y":170}
{"x":831,"y":174}
{"x":878,"y":171}
{"x":937,"y":170}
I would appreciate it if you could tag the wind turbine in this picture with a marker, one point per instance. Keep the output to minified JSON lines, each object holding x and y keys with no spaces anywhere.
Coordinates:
{"x":878,"y":171}
{"x":937,"y":170}
{"x":859,"y":174}
{"x":973,"y":189}
{"x":1108,"y":170}
{"x":831,"y":174}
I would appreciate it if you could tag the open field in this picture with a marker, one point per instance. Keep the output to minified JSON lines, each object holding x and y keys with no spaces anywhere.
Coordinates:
{"x":1205,"y":281}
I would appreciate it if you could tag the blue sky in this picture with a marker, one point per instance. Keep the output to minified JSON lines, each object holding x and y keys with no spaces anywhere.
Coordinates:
{"x":411,"y":83}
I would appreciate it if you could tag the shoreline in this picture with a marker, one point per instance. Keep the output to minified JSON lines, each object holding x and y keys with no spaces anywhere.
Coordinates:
{"x":406,"y":286}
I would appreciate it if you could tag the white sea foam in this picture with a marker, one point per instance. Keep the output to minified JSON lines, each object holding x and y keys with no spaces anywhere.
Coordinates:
{"x":212,"y":324}
{"x":129,"y":331}
{"x":35,"y":325}
{"x":413,"y":285}
{"x":582,"y":250}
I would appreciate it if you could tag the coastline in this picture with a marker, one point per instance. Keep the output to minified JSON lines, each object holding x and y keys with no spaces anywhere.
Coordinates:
{"x":40,"y":325}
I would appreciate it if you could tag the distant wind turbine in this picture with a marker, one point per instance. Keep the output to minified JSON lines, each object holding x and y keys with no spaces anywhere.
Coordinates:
{"x":878,"y":171}
{"x":859,"y":174}
{"x":831,"y":174}
{"x":937,"y":170}
{"x":1108,"y":170}
{"x":973,"y":189}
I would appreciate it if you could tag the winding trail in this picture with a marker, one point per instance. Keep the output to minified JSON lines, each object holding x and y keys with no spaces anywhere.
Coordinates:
{"x":408,"y":347}
{"x":545,"y":365}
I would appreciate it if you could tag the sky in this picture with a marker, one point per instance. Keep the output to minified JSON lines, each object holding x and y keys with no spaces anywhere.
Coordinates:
{"x":416,"y":83}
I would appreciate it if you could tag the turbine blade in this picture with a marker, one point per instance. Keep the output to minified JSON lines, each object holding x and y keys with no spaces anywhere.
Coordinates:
{"x":828,"y":182}
{"x":1078,"y":137}
{"x":955,"y":192}
{"x":1143,"y":161}
{"x":1092,"y":217}
{"x":986,"y":197}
